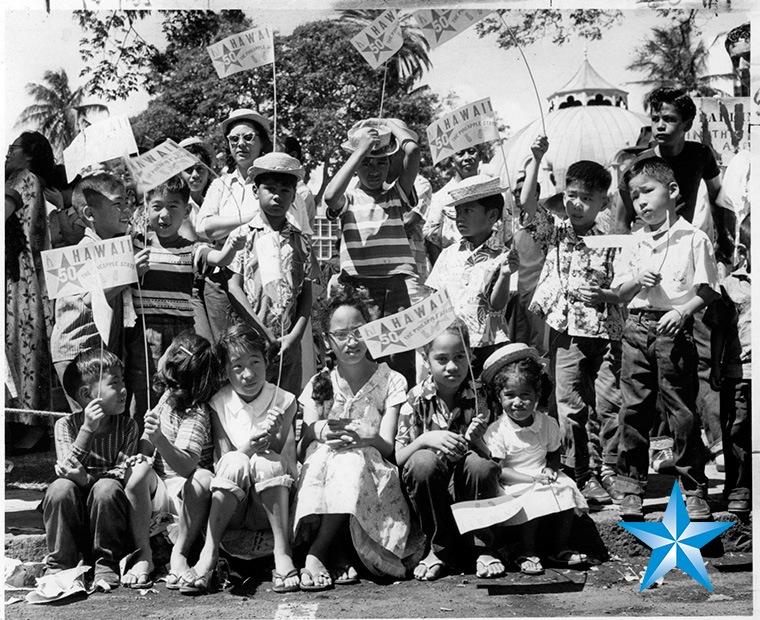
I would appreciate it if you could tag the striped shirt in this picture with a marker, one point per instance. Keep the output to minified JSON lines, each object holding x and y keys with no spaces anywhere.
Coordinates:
{"x":102,"y":455}
{"x":167,"y":286}
{"x":374,"y":243}
{"x":189,"y":431}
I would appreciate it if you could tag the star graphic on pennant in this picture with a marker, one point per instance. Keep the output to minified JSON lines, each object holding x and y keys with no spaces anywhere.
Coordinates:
{"x":443,"y":17}
{"x":676,"y":542}
{"x":379,"y":50}
{"x":64,"y":280}
{"x":230,"y":58}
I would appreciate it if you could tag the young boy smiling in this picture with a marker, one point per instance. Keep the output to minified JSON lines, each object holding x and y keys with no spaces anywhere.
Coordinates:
{"x":275,"y":302}
{"x":668,"y":276}
{"x":573,"y":296}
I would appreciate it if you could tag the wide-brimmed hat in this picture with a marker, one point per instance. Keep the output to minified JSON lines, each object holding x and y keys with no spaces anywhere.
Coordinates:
{"x":386,"y":141}
{"x":474,"y":188}
{"x":281,"y":163}
{"x":506,"y":355}
{"x":246,"y":114}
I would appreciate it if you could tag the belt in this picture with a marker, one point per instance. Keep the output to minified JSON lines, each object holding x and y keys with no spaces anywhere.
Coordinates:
{"x":647,"y":313}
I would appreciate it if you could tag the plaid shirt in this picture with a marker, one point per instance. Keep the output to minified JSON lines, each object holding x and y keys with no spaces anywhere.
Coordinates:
{"x":189,"y":431}
{"x":107,"y":453}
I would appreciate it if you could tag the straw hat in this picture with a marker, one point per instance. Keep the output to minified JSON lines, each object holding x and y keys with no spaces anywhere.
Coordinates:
{"x":281,"y":163}
{"x":386,"y":141}
{"x":506,"y":355}
{"x":246,"y":114}
{"x":474,"y":188}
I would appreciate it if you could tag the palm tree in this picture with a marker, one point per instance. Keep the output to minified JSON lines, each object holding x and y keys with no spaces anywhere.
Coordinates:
{"x":412,"y":60}
{"x":674,"y":56}
{"x":56,"y":109}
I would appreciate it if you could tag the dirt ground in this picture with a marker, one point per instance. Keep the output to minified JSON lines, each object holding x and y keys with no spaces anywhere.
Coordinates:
{"x":600,"y":592}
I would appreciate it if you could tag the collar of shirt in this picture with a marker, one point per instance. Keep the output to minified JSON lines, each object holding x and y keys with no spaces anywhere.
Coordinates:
{"x":462,"y":397}
{"x":259,"y":223}
{"x":492,"y":244}
{"x":92,"y":235}
{"x":256,"y":407}
{"x":742,"y":274}
{"x":572,"y":237}
{"x":534,"y":427}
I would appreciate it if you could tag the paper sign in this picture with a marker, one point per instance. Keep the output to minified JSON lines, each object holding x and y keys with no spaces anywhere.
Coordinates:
{"x":467,"y":126}
{"x":410,"y":328}
{"x":443,"y":25}
{"x":722,"y":124}
{"x":381,"y":39}
{"x":101,"y":141}
{"x":72,"y":270}
{"x":480,"y":513}
{"x":160,"y":164}
{"x":242,"y":51}
{"x":601,"y":242}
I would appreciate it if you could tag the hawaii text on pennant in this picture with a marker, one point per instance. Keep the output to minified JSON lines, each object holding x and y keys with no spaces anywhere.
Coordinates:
{"x":381,"y":39}
{"x":442,"y":25}
{"x":242,"y":51}
{"x":472,"y":124}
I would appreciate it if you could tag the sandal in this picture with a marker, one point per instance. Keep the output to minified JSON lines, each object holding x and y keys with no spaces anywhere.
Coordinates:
{"x":172,"y":581}
{"x":431,"y":574}
{"x":481,"y":569}
{"x":530,"y":565}
{"x":343,"y":577}
{"x":137,"y":584}
{"x":192,"y":585}
{"x":313,"y":587}
{"x":568,"y":558}
{"x":281,"y":588}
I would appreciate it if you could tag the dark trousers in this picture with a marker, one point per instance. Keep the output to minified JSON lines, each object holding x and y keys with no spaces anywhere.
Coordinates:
{"x":211,"y":306}
{"x":652,"y":364}
{"x":433,"y":482}
{"x":390,"y":295}
{"x":736,"y":423}
{"x":708,"y":400}
{"x":91,"y":521}
{"x":587,"y":391}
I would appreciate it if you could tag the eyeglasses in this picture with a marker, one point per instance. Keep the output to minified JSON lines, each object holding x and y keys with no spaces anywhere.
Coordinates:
{"x":246,"y":137}
{"x":345,"y":334}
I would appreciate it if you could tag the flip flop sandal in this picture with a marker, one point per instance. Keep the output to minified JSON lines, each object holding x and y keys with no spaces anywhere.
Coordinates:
{"x":530,"y":565}
{"x":484,"y":574}
{"x":347,"y":580}
{"x":282,"y":588}
{"x":193,"y":585}
{"x":429,"y":566}
{"x":172,"y":581}
{"x":137,"y":584}
{"x":314,"y":587}
{"x":568,"y":558}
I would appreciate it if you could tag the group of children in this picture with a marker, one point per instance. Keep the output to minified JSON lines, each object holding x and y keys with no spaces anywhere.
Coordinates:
{"x":357,"y":466}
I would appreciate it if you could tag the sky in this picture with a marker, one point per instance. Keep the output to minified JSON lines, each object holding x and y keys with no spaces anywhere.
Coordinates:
{"x":469,"y":66}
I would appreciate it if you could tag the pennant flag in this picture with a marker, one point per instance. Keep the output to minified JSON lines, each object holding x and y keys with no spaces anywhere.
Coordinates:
{"x":480,"y":513}
{"x":100,"y":142}
{"x":467,"y":126}
{"x":410,"y":328}
{"x":160,"y":164}
{"x":243,"y":51}
{"x":439,"y":26}
{"x":381,"y":39}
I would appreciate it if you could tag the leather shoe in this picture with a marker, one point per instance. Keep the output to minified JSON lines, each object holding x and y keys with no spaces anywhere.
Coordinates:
{"x":594,"y":492}
{"x":608,"y":483}
{"x":632,"y":507}
{"x":739,"y":506}
{"x":697,"y":508}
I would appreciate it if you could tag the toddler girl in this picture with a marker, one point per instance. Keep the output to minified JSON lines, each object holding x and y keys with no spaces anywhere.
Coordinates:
{"x":255,"y":462}
{"x":437,"y":444}
{"x":347,"y":481}
{"x":171,"y":471}
{"x":527,"y":443}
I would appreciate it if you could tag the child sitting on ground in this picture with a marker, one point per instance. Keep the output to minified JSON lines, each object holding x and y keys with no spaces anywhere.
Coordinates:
{"x":85,"y":508}
{"x":171,"y":473}
{"x":439,"y":451}
{"x":374,"y":248}
{"x":348,"y":492}
{"x":270,"y":287}
{"x":475,"y":271}
{"x":255,"y":460}
{"x":666,"y":277}
{"x":527,"y":443}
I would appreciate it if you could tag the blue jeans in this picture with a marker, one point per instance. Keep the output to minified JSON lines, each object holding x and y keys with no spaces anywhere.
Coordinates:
{"x":652,"y":364}
{"x":433,"y":483}
{"x":587,"y":391}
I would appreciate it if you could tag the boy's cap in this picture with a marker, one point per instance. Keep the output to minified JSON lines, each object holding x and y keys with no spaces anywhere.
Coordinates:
{"x":246,"y":114}
{"x":281,"y":163}
{"x":388,"y":144}
{"x":506,"y":355}
{"x":474,"y":188}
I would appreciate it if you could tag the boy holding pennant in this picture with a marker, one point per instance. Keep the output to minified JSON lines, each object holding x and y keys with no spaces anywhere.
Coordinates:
{"x":440,"y":26}
{"x":89,"y":314}
{"x":242,"y":51}
{"x":374,"y":249}
{"x":381,"y":39}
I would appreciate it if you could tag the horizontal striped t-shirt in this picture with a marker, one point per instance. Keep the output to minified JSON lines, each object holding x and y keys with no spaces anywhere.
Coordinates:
{"x":167,"y":287}
{"x":374,"y":243}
